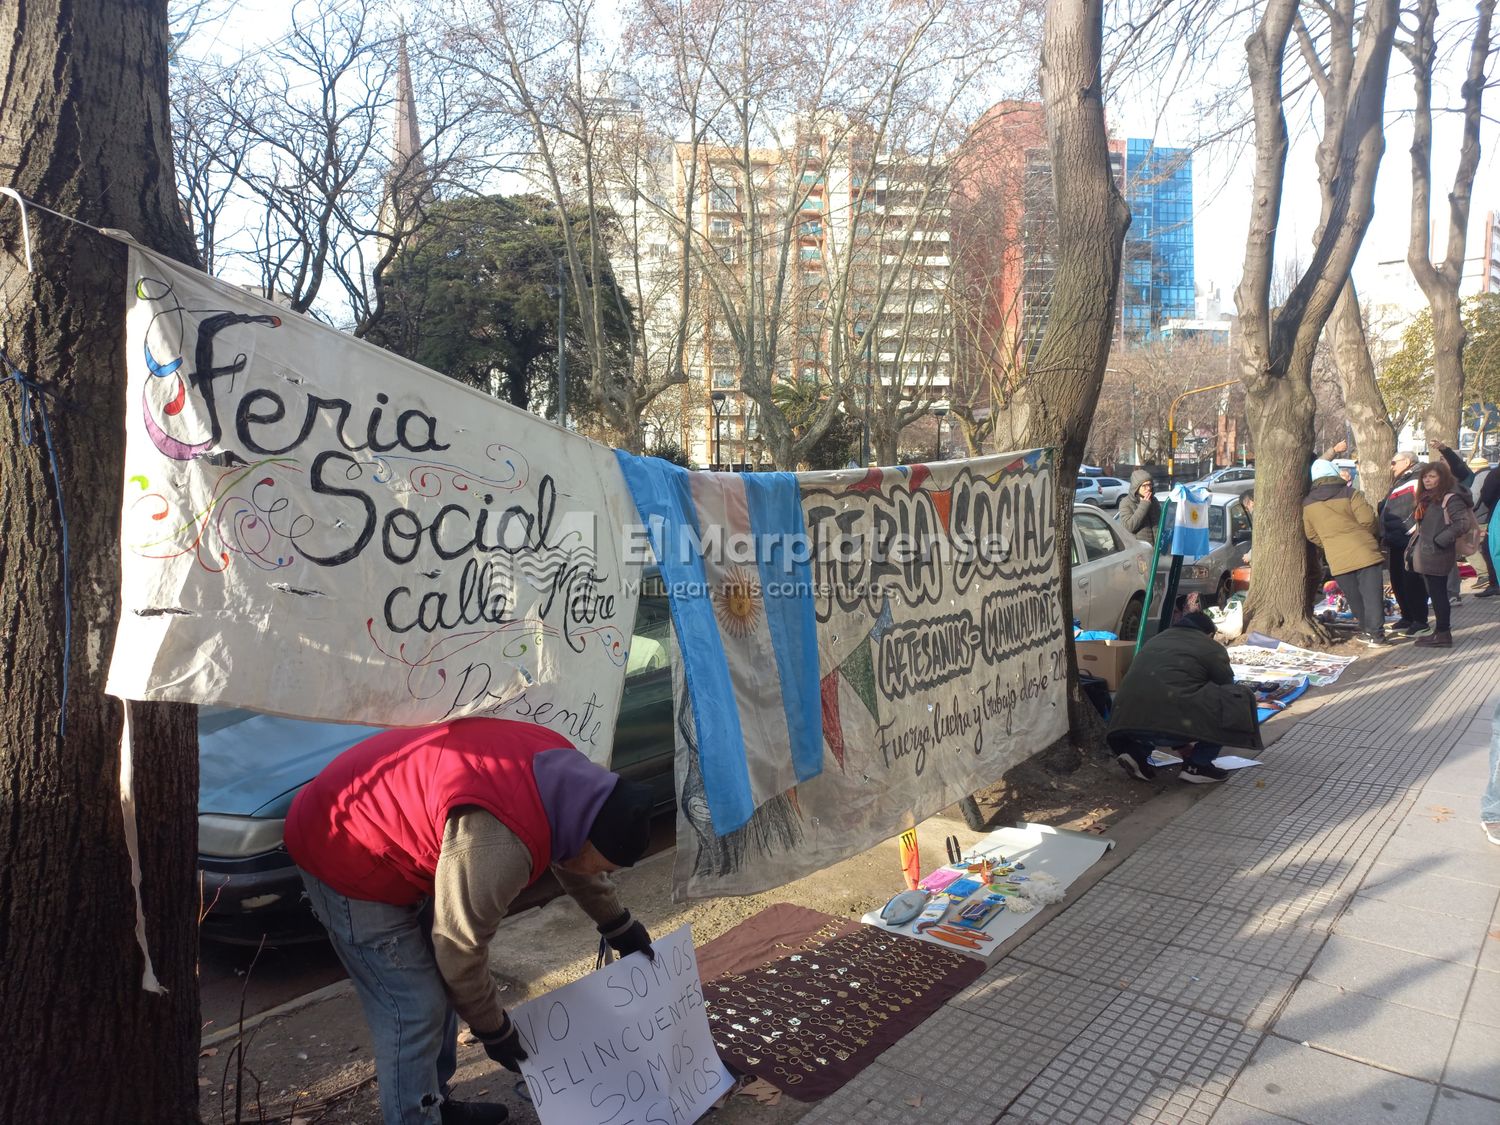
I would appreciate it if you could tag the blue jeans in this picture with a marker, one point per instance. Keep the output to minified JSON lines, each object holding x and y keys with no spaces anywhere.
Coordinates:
{"x":1139,"y":744}
{"x":387,"y":951}
{"x":1489,"y":800}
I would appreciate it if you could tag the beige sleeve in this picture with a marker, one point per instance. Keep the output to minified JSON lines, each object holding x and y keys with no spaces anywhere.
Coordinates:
{"x":482,"y":867}
{"x":594,"y":893}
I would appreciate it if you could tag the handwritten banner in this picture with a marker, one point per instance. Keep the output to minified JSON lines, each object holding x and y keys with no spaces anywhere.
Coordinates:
{"x":628,"y":1044}
{"x":941,"y":664}
{"x":315,"y":527}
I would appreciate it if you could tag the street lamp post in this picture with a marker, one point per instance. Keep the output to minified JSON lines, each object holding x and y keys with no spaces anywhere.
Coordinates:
{"x":1172,"y":420}
{"x":718,"y":398}
{"x":940,"y":409}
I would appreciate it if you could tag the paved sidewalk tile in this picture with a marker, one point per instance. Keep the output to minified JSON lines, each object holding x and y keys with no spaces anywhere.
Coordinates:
{"x":1275,"y":943}
{"x":1359,"y":1027}
{"x":1394,"y":975}
{"x":1454,"y":1107}
{"x":1412,"y":886}
{"x":1319,"y":1088}
{"x":1426,"y":858}
{"x":1417,"y":931}
{"x":1012,"y":1058}
{"x":1231,"y":1112}
{"x":1036,"y":1000}
{"x":882,"y":1095}
{"x":1119,"y":910}
{"x":1448,"y":830}
{"x":1090,"y":953}
{"x":1474,"y":1063}
{"x":1143,"y":1060}
{"x":1484,"y":1004}
{"x":1264,"y":892}
{"x":1169,"y":875}
{"x":1209,"y":981}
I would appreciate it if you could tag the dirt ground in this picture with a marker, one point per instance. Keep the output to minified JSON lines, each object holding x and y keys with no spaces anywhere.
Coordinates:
{"x":313,"y":1064}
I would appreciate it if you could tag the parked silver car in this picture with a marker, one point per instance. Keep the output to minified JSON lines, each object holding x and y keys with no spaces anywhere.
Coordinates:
{"x":1236,"y":479}
{"x":1109,"y":573}
{"x":1102,"y":492}
{"x":1229,"y":539}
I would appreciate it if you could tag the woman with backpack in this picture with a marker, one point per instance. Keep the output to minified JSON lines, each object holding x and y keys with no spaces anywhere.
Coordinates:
{"x":1445,"y":530}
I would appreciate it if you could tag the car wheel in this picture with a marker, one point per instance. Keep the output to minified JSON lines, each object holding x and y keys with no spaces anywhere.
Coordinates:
{"x":1222,"y":594}
{"x":1130,"y":620}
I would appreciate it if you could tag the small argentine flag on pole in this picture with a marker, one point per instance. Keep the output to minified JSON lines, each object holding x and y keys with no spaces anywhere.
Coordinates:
{"x":1190,"y":528}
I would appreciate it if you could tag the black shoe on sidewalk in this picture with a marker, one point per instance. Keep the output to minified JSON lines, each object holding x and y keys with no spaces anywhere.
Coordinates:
{"x":1489,"y":592}
{"x":1137,"y":768}
{"x":1370,"y":641}
{"x":473,"y":1113}
{"x":1202,"y":775}
{"x":1441,"y":638}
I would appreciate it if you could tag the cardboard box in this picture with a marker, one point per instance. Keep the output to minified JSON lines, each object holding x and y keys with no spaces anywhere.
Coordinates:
{"x":1109,"y":660}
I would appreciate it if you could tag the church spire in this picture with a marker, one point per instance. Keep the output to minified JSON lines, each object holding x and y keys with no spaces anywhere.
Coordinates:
{"x":408,"y":183}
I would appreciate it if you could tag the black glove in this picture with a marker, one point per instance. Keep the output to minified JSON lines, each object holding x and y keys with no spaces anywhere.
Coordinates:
{"x":625,"y":935}
{"x":504,"y":1045}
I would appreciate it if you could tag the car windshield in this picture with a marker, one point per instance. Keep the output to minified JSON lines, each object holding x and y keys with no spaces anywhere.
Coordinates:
{"x":1215,"y":523}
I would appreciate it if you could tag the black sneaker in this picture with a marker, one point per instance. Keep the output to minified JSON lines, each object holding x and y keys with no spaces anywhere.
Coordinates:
{"x":1425,"y":629}
{"x":1489,"y":592}
{"x":1136,"y":767}
{"x":1202,"y":775}
{"x":473,"y":1113}
{"x":1370,"y":641}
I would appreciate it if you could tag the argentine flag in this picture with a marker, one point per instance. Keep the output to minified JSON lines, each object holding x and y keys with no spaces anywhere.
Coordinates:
{"x":1190,"y":528}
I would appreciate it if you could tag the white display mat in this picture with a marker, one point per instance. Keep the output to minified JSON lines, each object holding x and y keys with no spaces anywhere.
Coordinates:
{"x":1058,"y":852}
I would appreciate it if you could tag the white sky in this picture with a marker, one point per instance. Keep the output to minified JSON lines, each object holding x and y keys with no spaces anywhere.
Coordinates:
{"x":1222,"y":173}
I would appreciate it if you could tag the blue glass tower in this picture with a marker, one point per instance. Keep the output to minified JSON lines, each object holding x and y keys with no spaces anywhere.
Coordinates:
{"x":1157,"y":276}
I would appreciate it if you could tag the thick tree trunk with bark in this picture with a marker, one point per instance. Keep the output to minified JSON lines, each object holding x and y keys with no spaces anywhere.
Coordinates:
{"x":1364,"y":405}
{"x":1276,"y":347}
{"x":1092,"y":219}
{"x":1440,"y":280}
{"x":83,"y":129}
{"x":1448,"y":339}
{"x":1281,"y":418}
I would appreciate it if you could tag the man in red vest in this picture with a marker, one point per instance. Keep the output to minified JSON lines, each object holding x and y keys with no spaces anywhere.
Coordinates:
{"x":413,"y":844}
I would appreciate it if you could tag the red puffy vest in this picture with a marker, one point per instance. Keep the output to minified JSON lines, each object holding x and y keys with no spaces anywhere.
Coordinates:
{"x":371,"y":824}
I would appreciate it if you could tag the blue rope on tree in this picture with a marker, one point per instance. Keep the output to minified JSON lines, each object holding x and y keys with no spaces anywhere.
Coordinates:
{"x":34,"y":406}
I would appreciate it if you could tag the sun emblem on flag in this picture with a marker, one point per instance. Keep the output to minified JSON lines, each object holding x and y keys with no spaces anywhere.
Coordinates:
{"x":1194,"y":515}
{"x":737,"y":603}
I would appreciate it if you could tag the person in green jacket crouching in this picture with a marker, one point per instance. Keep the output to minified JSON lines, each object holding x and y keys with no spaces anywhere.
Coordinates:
{"x":1181,"y":689}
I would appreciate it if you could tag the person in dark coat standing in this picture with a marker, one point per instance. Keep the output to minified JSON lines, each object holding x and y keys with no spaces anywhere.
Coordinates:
{"x":1443,"y":512}
{"x":1180,"y":689}
{"x":1340,"y":520}
{"x":1140,"y":511}
{"x":1463,"y":477}
{"x":1484,"y":510}
{"x":1396,"y":527}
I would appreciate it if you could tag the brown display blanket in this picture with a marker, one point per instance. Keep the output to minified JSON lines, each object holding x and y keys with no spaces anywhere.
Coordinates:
{"x":807,"y":1000}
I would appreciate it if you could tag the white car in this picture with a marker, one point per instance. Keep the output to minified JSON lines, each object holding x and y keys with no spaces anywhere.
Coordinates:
{"x":1109,"y":573}
{"x":1101,"y":492}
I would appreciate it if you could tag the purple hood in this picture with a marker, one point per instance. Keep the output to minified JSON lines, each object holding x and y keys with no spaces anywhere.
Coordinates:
{"x":572,"y":789}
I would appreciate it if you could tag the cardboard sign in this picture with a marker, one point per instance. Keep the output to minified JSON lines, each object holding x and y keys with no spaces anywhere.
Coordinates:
{"x":626,"y":1045}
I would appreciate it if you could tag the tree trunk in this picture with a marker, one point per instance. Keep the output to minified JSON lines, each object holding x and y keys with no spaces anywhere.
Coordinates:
{"x":1092,"y":219}
{"x":1364,"y":405}
{"x":1440,"y":280}
{"x":1448,"y":339}
{"x":83,"y":129}
{"x":1281,"y":415}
